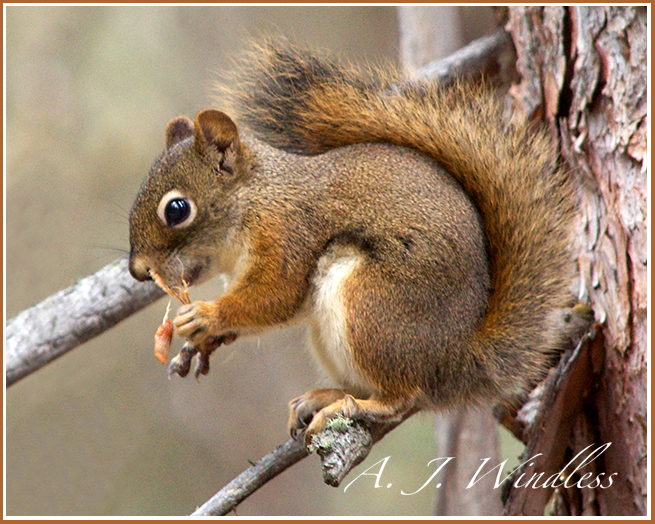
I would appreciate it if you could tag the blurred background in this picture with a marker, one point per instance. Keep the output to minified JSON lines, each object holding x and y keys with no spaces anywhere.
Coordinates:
{"x":102,"y":431}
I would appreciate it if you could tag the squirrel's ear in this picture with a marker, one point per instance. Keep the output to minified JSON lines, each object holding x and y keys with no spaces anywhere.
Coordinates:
{"x":177,"y":130}
{"x":214,"y":129}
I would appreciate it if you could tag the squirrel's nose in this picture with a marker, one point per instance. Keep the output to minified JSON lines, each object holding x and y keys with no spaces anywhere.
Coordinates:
{"x":139,"y":268}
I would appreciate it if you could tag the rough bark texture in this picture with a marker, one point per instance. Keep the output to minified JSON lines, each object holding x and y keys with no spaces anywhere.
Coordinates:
{"x":583,"y":70}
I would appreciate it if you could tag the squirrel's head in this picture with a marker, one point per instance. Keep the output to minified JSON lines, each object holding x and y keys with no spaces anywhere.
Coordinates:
{"x":181,"y":213}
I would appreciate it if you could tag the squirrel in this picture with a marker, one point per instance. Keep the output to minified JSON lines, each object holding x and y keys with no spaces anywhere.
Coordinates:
{"x":422,"y":236}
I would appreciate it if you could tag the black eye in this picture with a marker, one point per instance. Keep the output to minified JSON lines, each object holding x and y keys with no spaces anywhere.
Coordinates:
{"x":177,"y":211}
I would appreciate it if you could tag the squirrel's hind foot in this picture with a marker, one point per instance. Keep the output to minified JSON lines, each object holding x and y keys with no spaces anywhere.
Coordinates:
{"x":314,"y":411}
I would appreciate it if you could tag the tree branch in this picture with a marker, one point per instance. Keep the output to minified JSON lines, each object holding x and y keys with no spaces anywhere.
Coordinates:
{"x":268,"y":467}
{"x":341,"y":447}
{"x":44,"y":332}
{"x":473,"y":58}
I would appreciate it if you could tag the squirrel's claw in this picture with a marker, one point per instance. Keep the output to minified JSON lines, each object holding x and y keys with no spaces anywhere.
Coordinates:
{"x":181,"y":363}
{"x":305,"y":409}
{"x":345,"y":406}
{"x":202,"y":365}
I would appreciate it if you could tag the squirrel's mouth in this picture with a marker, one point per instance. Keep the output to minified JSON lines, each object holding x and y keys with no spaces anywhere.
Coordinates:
{"x":191,"y":274}
{"x":196,"y":271}
{"x":187,"y":278}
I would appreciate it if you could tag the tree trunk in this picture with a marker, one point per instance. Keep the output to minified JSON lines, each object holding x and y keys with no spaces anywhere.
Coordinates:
{"x":583,"y":70}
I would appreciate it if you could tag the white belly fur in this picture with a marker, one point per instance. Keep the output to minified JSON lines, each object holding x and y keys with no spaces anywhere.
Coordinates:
{"x":329,"y":330}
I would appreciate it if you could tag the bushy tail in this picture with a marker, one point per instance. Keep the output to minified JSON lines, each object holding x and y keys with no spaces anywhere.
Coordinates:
{"x":295,"y":101}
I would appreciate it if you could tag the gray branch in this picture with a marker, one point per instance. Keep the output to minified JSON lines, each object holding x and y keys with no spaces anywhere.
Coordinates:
{"x":470,"y":59}
{"x":340,"y":447}
{"x":44,"y":332}
{"x":253,"y":478}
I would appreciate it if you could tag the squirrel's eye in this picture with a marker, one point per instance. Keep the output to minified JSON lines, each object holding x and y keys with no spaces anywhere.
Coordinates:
{"x":176,"y":210}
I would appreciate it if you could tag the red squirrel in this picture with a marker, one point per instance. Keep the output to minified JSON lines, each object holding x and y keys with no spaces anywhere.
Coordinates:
{"x":422,"y":237}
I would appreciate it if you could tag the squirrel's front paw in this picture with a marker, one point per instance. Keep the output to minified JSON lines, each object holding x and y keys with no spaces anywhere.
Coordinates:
{"x":197,"y":322}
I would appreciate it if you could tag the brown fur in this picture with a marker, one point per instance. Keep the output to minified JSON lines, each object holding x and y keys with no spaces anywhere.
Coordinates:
{"x":459,"y":222}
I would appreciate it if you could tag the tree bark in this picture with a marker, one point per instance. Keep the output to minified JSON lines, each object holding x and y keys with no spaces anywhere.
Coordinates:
{"x":583,"y":70}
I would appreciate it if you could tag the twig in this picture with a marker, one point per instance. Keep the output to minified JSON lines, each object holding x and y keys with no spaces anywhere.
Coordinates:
{"x":253,"y":478}
{"x":472,"y":58}
{"x":44,"y":332}
{"x":349,"y":447}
